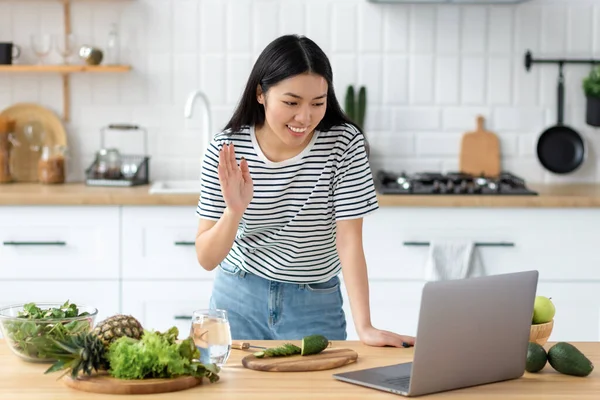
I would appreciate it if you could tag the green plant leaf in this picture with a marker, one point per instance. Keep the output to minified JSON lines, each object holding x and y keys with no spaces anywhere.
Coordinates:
{"x":591,"y":83}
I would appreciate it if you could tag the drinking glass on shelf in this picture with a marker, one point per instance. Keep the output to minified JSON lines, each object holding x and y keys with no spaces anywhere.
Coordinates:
{"x":212,"y":335}
{"x":41,"y":44}
{"x":66,"y":46}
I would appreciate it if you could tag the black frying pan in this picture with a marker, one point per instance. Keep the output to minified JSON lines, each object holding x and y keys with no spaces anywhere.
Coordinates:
{"x":560,"y":148}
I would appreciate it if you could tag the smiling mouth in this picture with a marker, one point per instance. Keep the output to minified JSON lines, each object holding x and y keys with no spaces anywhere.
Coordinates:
{"x":297,"y":130}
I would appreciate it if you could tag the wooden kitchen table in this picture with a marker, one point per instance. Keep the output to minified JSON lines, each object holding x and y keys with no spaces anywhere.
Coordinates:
{"x":21,"y":380}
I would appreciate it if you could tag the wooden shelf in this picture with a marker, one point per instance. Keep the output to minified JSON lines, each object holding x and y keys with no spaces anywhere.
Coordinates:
{"x":65,"y":69}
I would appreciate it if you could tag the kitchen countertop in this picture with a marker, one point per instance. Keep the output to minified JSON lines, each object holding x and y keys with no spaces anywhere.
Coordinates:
{"x":555,"y":195}
{"x":20,"y":380}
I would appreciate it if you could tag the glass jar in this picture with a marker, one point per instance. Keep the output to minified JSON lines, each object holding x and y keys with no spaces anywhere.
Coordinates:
{"x":51,"y":165}
{"x":6,"y":141}
{"x":108,"y":164}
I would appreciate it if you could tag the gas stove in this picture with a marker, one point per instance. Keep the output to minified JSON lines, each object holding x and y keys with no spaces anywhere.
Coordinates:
{"x":450,"y":183}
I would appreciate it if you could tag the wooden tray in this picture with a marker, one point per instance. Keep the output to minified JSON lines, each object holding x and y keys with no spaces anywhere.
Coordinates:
{"x":104,"y":383}
{"x":23,"y":160}
{"x":327,"y":359}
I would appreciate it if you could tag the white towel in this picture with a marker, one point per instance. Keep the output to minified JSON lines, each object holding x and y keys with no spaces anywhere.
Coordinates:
{"x":452,"y":259}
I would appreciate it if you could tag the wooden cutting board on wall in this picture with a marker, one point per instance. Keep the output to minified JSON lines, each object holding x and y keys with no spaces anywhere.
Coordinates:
{"x":480,"y":152}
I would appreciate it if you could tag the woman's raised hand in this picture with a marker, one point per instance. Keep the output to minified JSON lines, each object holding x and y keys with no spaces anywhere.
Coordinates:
{"x":236,"y":182}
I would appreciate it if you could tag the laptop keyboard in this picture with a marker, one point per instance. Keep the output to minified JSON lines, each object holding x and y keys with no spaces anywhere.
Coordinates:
{"x":401,"y":382}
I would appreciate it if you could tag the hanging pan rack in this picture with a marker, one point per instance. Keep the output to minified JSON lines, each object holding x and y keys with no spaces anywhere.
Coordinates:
{"x":529,"y":60}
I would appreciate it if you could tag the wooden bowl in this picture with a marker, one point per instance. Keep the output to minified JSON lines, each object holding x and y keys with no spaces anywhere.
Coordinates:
{"x":540,"y":333}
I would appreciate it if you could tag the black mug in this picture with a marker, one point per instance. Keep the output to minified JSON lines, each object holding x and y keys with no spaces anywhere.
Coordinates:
{"x":8,"y":53}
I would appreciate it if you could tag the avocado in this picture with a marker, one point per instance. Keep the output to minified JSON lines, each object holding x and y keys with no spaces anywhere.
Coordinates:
{"x":536,"y":358}
{"x":569,"y":360}
{"x":313,"y":344}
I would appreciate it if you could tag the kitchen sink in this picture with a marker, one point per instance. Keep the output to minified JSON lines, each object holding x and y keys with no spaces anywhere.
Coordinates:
{"x":175,"y":187}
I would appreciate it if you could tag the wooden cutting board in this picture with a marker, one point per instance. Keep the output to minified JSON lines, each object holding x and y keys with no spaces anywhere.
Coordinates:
{"x":480,"y":152}
{"x":104,"y":383}
{"x":327,"y":359}
{"x":24,"y":161}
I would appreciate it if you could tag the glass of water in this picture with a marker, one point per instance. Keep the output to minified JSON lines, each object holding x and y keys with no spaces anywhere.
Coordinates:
{"x":212,"y":335}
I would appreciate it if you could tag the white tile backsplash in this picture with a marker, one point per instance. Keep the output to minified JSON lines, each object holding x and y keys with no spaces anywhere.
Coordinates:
{"x":344,"y":24}
{"x":370,"y":33}
{"x":429,"y":71}
{"x":422,"y":29}
{"x":266,"y":23}
{"x":448,"y":30}
{"x":212,"y":23}
{"x":421,"y":79}
{"x":395,"y":27}
{"x":473,"y":29}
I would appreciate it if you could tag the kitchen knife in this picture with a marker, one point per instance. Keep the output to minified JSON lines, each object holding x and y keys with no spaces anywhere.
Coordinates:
{"x":244,"y":346}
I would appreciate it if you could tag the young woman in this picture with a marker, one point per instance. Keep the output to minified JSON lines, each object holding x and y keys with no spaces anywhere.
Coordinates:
{"x":284,"y":189}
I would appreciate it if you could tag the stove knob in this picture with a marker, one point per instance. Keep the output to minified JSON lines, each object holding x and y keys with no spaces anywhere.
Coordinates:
{"x":494,"y":187}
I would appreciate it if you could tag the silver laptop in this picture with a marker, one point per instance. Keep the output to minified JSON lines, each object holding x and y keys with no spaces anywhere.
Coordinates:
{"x":470,"y":332}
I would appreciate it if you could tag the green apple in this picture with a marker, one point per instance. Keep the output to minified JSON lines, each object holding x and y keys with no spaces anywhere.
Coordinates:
{"x":543,"y":310}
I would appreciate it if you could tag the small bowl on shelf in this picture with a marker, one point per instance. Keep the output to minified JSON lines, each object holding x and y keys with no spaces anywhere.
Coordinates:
{"x":27,"y":337}
{"x":540,"y":333}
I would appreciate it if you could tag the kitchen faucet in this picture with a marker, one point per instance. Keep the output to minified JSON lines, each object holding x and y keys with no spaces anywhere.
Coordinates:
{"x":189,"y":105}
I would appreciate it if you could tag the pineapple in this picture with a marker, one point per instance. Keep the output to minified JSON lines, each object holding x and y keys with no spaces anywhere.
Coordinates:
{"x":116,"y":326}
{"x":83,"y":352}
{"x":86,"y":351}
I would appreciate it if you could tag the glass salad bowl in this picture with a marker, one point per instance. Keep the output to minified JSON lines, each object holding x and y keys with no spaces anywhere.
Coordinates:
{"x":27,"y":327}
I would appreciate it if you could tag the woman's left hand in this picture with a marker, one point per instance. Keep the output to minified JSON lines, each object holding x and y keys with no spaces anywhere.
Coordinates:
{"x":376,"y":337}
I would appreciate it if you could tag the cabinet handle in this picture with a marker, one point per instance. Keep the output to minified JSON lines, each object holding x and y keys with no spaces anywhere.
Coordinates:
{"x":13,"y":243}
{"x":185,"y":243}
{"x":183,"y":317}
{"x":478,"y":244}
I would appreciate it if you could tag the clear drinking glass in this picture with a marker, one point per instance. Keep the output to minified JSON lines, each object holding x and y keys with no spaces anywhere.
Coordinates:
{"x":65,"y":46}
{"x":212,"y":335}
{"x":41,"y":44}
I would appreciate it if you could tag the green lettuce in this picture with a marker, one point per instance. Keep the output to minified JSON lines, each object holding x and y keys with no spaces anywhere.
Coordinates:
{"x":157,"y":355}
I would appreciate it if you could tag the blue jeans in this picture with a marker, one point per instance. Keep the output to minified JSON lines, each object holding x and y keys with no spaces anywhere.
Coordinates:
{"x":260,"y":309}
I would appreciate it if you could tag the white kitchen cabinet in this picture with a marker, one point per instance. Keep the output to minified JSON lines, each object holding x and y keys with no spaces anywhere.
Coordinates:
{"x":559,"y":243}
{"x":577,"y":310}
{"x":394,"y":307}
{"x":549,"y":240}
{"x":149,"y":250}
{"x":52,"y":242}
{"x":160,"y":305}
{"x":158,"y":243}
{"x":103,"y":295}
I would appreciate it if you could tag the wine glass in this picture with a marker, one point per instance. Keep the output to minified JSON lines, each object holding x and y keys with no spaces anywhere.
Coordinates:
{"x":212,"y":335}
{"x":65,"y":46}
{"x":41,"y":44}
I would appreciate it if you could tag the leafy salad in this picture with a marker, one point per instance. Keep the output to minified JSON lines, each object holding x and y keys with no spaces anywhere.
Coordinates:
{"x":27,"y":331}
{"x":158,"y":355}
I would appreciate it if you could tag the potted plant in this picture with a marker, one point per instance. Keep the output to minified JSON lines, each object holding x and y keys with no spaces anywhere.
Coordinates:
{"x":591,"y":88}
{"x":356,"y":109}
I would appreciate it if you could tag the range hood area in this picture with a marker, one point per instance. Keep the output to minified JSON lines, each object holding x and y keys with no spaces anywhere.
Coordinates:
{"x":449,"y":1}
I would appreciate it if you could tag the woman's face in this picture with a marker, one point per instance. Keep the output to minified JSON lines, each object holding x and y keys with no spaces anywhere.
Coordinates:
{"x":294,"y":107}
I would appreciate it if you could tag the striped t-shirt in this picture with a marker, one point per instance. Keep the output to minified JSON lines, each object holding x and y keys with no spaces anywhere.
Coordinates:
{"x":288,"y":231}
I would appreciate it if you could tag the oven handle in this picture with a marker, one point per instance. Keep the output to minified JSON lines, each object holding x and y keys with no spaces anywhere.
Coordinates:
{"x":17,"y":243}
{"x":478,"y":244}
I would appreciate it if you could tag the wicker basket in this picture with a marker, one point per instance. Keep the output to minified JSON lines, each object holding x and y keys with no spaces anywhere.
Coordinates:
{"x":540,"y":333}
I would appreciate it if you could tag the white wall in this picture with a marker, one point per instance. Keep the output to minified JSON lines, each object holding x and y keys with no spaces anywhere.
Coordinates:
{"x":429,"y":71}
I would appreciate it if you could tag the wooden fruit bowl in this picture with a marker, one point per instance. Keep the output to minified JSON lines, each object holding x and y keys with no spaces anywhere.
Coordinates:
{"x":540,"y":333}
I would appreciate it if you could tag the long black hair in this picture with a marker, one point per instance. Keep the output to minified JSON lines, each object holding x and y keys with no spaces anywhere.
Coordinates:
{"x":287,"y":56}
